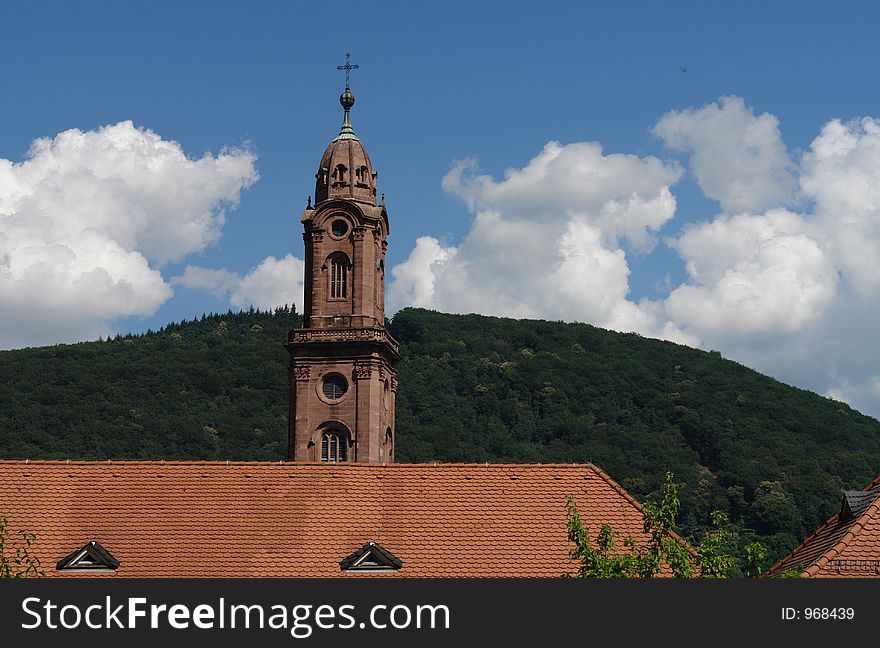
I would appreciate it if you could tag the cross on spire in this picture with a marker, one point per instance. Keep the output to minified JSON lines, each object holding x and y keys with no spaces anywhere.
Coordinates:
{"x":348,"y":67}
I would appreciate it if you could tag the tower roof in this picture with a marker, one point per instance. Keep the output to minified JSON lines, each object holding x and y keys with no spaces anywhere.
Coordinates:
{"x":345,"y":170}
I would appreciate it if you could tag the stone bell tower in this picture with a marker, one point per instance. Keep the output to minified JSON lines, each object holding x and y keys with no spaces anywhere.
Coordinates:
{"x":342,"y":377}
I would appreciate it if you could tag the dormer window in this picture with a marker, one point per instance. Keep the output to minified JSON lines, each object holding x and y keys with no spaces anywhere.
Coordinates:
{"x":855,"y":503}
{"x":372,"y":557}
{"x":92,"y":558}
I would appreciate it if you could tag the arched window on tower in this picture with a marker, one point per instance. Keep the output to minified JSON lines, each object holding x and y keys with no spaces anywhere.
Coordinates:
{"x":362,"y":174}
{"x":338,"y":277}
{"x":339,"y":174}
{"x":334,"y":446}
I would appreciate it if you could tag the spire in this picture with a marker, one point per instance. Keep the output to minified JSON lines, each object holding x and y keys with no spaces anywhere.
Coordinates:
{"x":347,"y":101}
{"x":345,"y":170}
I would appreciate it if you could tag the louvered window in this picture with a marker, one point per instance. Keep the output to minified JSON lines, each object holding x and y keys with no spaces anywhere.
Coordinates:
{"x":334,"y":387}
{"x":333,"y":447}
{"x":338,"y":278}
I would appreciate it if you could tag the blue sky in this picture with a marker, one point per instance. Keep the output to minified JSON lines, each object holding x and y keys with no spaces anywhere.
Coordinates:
{"x":492,"y":83}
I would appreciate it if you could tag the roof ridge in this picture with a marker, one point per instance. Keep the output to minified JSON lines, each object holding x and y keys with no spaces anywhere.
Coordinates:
{"x":617,"y":487}
{"x":342,"y":465}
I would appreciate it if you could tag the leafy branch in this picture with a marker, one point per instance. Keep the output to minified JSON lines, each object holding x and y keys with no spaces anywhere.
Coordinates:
{"x":16,"y":560}
{"x":611,"y":556}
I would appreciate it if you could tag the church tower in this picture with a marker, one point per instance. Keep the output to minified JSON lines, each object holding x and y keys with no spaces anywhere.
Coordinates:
{"x":342,"y":377}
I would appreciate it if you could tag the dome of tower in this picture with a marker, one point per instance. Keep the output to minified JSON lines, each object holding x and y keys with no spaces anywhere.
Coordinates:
{"x":345,"y":170}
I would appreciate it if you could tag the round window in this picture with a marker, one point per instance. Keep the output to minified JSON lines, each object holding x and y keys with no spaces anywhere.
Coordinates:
{"x":334,"y":387}
{"x":339,"y":228}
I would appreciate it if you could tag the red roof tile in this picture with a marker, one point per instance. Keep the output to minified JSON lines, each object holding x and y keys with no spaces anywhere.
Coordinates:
{"x":218,"y":519}
{"x":843,"y":547}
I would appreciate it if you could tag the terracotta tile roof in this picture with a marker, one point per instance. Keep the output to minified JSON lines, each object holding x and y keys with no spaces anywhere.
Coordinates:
{"x":218,"y":519}
{"x":846,"y":546}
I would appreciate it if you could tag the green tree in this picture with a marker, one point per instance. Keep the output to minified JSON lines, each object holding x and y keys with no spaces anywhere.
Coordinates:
{"x":604,"y":560}
{"x":16,"y":560}
{"x":665,"y":547}
{"x":713,"y":557}
{"x":755,"y":553}
{"x":611,"y":556}
{"x":774,"y":510}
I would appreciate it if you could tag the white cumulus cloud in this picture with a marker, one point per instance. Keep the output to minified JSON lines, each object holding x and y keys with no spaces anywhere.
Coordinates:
{"x":753,"y":277}
{"x":796,"y":295}
{"x":786,"y":278}
{"x":88,"y":218}
{"x":841,"y":173}
{"x":737,"y":157}
{"x":547,"y":240}
{"x":413,"y":283}
{"x":273,"y":282}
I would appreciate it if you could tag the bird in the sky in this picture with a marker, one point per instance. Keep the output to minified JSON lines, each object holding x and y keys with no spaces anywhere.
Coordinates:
{"x":683,"y":69}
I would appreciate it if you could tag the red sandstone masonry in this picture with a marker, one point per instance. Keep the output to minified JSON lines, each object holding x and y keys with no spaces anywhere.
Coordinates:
{"x":344,"y":334}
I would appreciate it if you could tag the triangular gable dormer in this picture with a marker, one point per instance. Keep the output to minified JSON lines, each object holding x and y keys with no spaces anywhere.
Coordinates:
{"x":855,"y":503}
{"x":371,"y":557}
{"x":92,"y":557}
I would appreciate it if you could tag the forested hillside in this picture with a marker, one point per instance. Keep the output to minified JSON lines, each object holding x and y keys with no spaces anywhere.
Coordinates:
{"x":471,"y":388}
